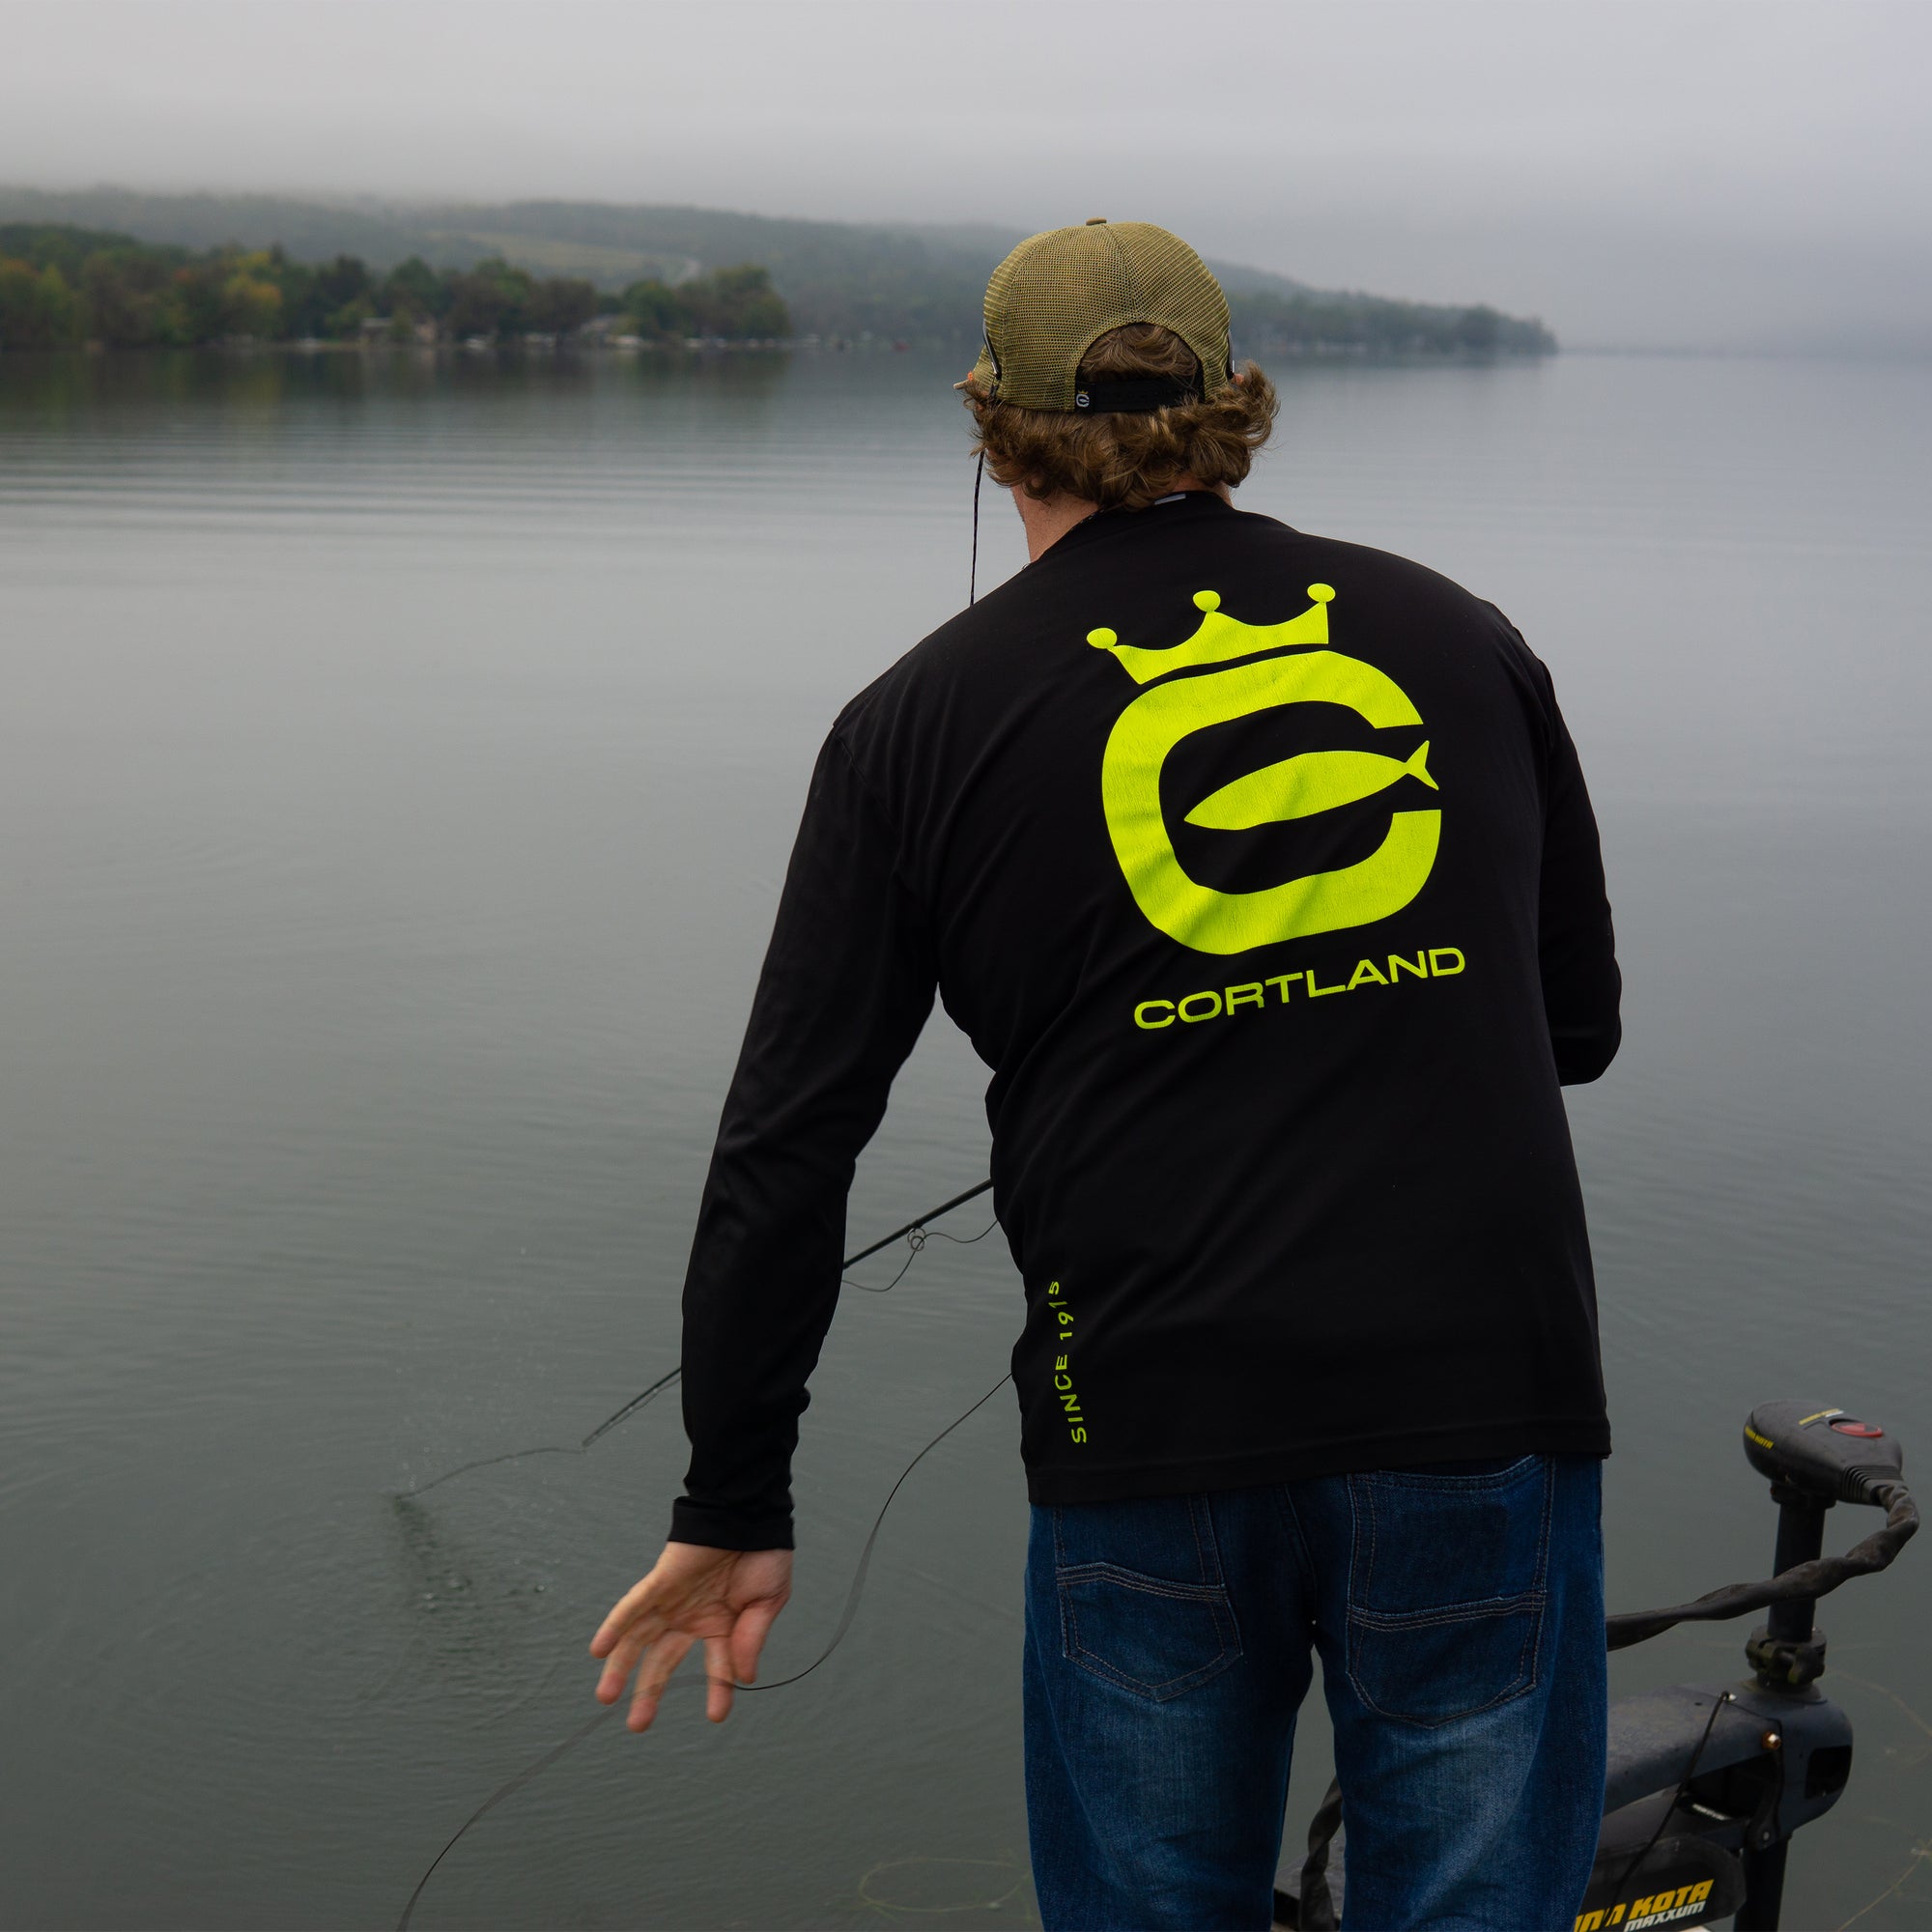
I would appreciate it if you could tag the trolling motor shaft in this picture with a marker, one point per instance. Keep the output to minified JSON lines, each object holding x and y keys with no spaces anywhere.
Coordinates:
{"x":1814,"y":1460}
{"x":1787,"y":1651}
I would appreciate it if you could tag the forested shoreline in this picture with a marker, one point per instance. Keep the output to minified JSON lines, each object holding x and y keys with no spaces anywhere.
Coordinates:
{"x":64,"y":288}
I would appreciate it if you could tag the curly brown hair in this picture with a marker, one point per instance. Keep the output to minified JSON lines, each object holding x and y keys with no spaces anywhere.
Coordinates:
{"x":1127,"y":461}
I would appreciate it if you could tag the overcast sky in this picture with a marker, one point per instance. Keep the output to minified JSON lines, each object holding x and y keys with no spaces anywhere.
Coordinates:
{"x":1714,"y":172}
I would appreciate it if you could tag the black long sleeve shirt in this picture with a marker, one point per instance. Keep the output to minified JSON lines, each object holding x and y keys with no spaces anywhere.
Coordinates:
{"x":1260,"y":870}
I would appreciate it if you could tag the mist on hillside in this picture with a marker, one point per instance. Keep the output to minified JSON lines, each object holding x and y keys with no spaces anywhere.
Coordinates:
{"x":1705,"y":174}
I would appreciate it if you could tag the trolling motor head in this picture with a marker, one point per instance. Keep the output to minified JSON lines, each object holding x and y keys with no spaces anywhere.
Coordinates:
{"x":1824,"y":1454}
{"x":1815,"y":1457}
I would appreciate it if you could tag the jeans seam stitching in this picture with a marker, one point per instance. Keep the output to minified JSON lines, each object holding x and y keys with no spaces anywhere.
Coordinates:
{"x":1459,"y":1485}
{"x":1132,"y":1579}
{"x":1069,"y":1637}
{"x":1210,"y":1571}
{"x":1091,"y":1661}
{"x":1543,"y":1543}
{"x":1533,"y":1640}
{"x":1213,"y":1596}
{"x":1078,"y":1654}
{"x":1287,"y":1502}
{"x":1532,"y":1601}
{"x":1476,"y":1611}
{"x":1518,"y":1688}
{"x":1359,"y":1492}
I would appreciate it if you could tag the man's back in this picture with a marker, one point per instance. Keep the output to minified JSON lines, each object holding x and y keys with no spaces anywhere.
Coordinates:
{"x":1260,"y":871}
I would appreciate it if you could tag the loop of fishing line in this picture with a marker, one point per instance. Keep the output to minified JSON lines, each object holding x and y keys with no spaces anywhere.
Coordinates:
{"x":892,"y":1908}
{"x":916,"y":1239}
{"x":915,"y":1234}
{"x":854,"y":1592}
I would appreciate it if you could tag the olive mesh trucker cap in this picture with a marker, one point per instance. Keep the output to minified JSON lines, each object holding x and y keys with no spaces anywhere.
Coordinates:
{"x":1056,"y":293}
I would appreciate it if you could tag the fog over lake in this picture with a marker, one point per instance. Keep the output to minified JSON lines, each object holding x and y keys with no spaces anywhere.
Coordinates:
{"x":397,"y":768}
{"x":1719,"y":174}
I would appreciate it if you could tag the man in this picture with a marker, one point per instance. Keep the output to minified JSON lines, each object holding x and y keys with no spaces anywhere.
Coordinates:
{"x":1260,"y":870}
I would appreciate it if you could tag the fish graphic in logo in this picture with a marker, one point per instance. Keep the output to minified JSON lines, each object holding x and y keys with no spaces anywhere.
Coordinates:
{"x":1300,"y":788}
{"x":1175,"y":707}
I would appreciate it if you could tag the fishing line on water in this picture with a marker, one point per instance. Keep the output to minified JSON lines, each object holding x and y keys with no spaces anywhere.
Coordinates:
{"x":610,"y":1422}
{"x":511,"y":1786}
{"x":915,"y":1233}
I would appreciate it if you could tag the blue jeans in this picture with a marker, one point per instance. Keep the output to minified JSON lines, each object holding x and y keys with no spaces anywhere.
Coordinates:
{"x":1459,"y":1614}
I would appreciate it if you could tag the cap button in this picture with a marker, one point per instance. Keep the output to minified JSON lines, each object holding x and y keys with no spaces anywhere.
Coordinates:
{"x":1096,"y":221}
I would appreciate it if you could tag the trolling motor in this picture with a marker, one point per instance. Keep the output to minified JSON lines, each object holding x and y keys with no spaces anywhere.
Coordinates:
{"x":1706,"y":1783}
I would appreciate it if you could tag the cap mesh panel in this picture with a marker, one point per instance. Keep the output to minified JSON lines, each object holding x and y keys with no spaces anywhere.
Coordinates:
{"x":1057,"y":292}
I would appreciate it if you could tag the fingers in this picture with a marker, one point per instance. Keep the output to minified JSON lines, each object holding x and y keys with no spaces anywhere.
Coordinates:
{"x":717,"y":1668}
{"x":630,"y":1606}
{"x":724,"y":1597}
{"x":683,"y":1574}
{"x":748,"y":1634}
{"x":623,"y":1657}
{"x":664,"y":1657}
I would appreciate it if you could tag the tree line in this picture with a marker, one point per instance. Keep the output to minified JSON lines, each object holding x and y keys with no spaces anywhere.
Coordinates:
{"x":1376,"y":325}
{"x":61,"y":287}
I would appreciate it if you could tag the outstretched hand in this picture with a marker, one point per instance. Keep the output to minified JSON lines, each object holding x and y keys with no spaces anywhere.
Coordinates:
{"x":726,"y":1599}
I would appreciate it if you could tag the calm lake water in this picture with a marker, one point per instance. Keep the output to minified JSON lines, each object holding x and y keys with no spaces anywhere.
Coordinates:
{"x":397,"y":767}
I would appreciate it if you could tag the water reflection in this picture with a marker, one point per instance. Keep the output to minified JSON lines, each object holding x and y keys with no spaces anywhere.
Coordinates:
{"x":400,"y":758}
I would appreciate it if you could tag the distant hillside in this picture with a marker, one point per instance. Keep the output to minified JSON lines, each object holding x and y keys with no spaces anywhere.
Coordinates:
{"x":842,"y":279}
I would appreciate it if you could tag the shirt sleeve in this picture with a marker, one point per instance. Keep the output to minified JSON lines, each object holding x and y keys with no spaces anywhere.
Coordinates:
{"x":1577,"y":946}
{"x":847,"y":983}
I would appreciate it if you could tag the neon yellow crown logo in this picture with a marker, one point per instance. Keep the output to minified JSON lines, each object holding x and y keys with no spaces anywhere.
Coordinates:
{"x":1149,"y":728}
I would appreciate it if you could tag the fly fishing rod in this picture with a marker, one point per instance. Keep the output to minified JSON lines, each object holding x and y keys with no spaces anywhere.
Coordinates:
{"x":915,"y":1233}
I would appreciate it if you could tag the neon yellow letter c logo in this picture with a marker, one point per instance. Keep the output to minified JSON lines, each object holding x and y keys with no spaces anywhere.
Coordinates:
{"x":1224,"y":922}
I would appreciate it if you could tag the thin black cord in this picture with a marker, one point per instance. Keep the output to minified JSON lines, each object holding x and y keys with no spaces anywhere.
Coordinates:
{"x":852,"y":1595}
{"x":973,"y":580}
{"x":543,"y":1763}
{"x":1676,"y":1797}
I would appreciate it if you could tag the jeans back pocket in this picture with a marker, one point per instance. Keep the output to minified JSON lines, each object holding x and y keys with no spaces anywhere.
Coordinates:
{"x":1446,"y":1588}
{"x":1142,"y":1604}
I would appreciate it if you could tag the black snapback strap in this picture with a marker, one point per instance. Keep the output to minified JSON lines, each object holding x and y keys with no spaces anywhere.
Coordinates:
{"x":1136,"y":395}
